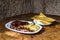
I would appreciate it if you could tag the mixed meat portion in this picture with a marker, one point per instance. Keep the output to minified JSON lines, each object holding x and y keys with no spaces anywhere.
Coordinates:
{"x":18,"y":25}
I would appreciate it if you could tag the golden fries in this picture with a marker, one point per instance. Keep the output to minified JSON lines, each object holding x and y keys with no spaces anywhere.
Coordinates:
{"x":44,"y":19}
{"x":31,"y":27}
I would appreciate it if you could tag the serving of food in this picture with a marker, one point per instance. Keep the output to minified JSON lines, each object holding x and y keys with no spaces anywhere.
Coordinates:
{"x":42,"y":19}
{"x":29,"y":27}
{"x":22,"y":26}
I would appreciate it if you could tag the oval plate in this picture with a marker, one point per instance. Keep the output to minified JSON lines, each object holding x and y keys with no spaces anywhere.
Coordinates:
{"x":7,"y":25}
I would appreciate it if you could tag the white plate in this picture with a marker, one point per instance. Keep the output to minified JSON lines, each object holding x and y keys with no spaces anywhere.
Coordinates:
{"x":39,"y":23}
{"x":7,"y":25}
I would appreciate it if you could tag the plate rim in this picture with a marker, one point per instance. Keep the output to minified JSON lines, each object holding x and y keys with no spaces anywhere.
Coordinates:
{"x":9,"y":23}
{"x":40,"y":23}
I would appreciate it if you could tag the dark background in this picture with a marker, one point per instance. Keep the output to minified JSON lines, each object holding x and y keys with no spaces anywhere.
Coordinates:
{"x":9,"y":8}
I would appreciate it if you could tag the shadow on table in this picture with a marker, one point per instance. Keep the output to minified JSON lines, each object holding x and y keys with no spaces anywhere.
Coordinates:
{"x":2,"y":28}
{"x":54,"y":23}
{"x":40,"y":32}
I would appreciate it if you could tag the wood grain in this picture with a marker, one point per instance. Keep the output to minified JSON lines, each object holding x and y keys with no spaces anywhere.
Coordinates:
{"x":51,"y":32}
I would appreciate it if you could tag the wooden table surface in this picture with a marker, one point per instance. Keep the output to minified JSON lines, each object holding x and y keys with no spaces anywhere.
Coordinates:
{"x":51,"y":32}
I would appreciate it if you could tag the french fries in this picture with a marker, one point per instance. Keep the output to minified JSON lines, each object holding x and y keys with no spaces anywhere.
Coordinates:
{"x":31,"y":27}
{"x":44,"y":19}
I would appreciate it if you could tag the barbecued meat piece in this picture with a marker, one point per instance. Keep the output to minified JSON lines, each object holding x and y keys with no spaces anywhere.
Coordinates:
{"x":20,"y":27}
{"x":17,"y":23}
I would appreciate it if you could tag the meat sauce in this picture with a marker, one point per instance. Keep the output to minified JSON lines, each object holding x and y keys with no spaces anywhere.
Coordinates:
{"x":18,"y":25}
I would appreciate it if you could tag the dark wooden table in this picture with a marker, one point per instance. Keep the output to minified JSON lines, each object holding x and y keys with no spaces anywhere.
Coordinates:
{"x":51,"y":32}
